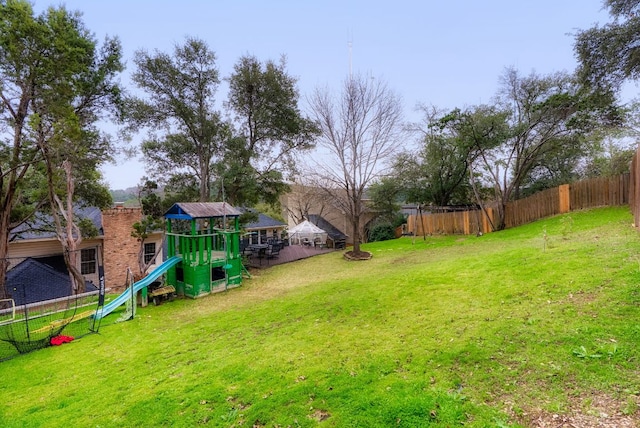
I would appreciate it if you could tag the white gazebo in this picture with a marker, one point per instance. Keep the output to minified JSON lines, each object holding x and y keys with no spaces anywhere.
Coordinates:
{"x":307,"y":233}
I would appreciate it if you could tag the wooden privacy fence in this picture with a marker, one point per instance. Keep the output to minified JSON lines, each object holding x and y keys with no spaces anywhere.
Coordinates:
{"x":541,"y":204}
{"x":584,"y":194}
{"x":454,"y":223}
{"x":600,"y":192}
{"x":634,"y":189}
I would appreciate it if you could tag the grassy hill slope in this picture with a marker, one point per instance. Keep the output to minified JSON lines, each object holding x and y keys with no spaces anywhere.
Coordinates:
{"x":502,"y":330}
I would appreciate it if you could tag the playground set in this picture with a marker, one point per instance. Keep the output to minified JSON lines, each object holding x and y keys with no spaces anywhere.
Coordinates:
{"x":202,"y":257}
{"x":206,"y":236}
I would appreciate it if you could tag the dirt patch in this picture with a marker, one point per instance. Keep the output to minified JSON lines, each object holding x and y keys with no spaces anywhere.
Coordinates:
{"x":401,"y":260}
{"x":360,"y":255}
{"x":320,"y":415}
{"x":582,"y":297}
{"x":595,"y":411}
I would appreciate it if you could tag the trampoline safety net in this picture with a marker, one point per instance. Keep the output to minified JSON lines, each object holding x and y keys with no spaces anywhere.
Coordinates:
{"x":30,"y":318}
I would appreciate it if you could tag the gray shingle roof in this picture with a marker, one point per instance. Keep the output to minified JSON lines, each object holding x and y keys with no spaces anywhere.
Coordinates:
{"x":193,"y":210}
{"x":331,"y":230}
{"x":264,"y":222}
{"x":41,"y":226}
{"x":32,"y":281}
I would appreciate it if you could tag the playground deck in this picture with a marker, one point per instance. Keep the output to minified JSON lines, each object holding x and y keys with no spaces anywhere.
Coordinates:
{"x":288,"y":254}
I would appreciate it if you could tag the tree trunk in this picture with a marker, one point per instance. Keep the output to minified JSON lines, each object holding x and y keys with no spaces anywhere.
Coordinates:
{"x":479,"y":199}
{"x":73,"y":233}
{"x":205,"y":190}
{"x":500,"y":223}
{"x":69,"y":234}
{"x":78,"y":283}
{"x":355,"y":222}
{"x":4,"y":252}
{"x":8,"y":185}
{"x":142,"y":265}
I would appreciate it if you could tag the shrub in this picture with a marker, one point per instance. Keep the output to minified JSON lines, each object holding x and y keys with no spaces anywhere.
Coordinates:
{"x":382,"y":232}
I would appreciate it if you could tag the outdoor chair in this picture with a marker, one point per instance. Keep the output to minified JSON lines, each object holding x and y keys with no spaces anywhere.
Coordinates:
{"x":273,"y":251}
{"x":247,"y":253}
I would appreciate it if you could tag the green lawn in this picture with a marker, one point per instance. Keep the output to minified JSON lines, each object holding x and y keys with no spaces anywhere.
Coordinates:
{"x":447,"y":331}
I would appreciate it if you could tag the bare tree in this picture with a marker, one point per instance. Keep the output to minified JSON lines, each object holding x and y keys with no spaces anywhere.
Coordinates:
{"x":361,"y":129}
{"x":306,"y":198}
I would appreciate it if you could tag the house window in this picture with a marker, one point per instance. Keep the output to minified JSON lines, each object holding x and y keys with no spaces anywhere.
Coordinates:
{"x":149,"y":251}
{"x":88,"y":261}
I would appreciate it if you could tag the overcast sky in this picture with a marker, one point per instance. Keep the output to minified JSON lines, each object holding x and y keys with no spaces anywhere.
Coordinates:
{"x":445,"y":53}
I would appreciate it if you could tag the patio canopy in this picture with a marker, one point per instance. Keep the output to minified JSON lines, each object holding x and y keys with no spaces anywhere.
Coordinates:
{"x":307,"y":232}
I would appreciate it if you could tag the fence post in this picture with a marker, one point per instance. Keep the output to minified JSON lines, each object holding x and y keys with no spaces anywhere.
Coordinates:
{"x":486,"y":225}
{"x":410,"y":224}
{"x":564,"y":195}
{"x":635,"y":189}
{"x":465,"y":223}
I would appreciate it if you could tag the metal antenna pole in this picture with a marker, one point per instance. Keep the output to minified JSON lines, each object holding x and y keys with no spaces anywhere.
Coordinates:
{"x":350,"y":44}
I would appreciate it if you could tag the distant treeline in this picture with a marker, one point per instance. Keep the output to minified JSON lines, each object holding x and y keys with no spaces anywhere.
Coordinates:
{"x":129,"y":196}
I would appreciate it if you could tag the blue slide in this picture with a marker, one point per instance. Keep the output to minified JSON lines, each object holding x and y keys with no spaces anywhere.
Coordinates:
{"x":137,"y":286}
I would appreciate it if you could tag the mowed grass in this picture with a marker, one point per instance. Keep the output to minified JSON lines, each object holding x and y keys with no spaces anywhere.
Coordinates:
{"x":445,"y":331}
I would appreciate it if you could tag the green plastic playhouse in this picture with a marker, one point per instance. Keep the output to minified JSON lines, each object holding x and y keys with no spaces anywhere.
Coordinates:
{"x":206,"y":235}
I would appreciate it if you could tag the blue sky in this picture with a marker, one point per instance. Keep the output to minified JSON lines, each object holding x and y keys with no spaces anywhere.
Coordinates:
{"x":445,"y":53}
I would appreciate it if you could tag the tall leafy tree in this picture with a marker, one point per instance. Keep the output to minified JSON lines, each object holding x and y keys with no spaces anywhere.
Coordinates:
{"x":536,"y":120}
{"x":483,"y":131}
{"x":272,"y":131}
{"x":305,"y":199}
{"x":385,"y":195}
{"x":361,"y":130}
{"x":72,"y":146}
{"x":610,"y":158}
{"x":437,"y":172}
{"x":609,"y":54}
{"x":54,"y":84}
{"x":187,"y":133}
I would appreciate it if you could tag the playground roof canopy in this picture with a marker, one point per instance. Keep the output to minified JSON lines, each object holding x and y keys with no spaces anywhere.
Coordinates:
{"x":194,"y":210}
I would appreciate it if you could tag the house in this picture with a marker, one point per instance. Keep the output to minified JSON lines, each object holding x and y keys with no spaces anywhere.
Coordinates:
{"x":302,"y":202}
{"x":113,"y":248}
{"x":265,"y":227}
{"x":121,"y":249}
{"x":38,"y":241}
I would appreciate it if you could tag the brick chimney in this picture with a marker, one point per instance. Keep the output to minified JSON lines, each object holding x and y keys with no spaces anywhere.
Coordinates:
{"x":120,"y":248}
